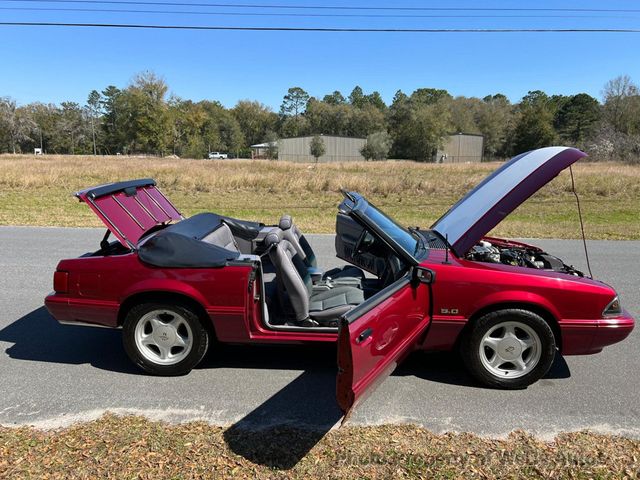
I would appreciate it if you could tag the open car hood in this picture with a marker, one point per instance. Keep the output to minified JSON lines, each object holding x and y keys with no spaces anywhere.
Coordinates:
{"x":500,"y":193}
{"x":130,"y":209}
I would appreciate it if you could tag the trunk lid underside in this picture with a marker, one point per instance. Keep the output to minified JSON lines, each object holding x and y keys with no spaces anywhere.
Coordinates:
{"x":130,"y":209}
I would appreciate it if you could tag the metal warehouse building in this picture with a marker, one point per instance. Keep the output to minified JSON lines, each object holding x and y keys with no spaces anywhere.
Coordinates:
{"x":461,"y":148}
{"x":337,"y":149}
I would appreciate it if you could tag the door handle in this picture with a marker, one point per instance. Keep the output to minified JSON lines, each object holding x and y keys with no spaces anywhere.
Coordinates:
{"x":364,"y":335}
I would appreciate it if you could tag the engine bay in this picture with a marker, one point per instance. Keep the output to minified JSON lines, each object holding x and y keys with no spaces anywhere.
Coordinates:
{"x":519,"y":255}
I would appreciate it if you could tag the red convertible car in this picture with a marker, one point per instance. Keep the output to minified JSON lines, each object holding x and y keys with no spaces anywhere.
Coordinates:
{"x":174,"y":285}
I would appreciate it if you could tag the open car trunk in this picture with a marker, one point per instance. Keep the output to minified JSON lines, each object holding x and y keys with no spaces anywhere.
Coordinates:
{"x":130,"y":209}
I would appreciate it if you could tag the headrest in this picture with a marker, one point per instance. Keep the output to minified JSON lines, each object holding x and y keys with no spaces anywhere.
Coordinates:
{"x":285,"y":222}
{"x":273,"y":237}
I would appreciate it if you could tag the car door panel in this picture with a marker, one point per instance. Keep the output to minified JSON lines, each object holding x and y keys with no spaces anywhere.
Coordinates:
{"x":377,"y":335}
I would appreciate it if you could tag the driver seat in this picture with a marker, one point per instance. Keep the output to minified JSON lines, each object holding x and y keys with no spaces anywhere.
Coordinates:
{"x":310,"y":308}
{"x":347,"y":275}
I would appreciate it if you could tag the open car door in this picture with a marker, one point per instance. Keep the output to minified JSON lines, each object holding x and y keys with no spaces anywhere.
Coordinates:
{"x":375,"y":336}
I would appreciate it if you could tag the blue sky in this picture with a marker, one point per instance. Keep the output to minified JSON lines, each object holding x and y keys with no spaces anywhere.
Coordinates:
{"x":55,"y":64}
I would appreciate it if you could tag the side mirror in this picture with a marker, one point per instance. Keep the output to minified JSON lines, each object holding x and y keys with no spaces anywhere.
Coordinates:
{"x":423,"y":275}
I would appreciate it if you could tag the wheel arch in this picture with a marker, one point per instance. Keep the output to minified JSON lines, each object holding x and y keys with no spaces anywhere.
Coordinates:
{"x":161,"y":296}
{"x":540,"y":310}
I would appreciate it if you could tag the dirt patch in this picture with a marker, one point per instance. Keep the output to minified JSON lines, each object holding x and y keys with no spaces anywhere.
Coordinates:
{"x":134,"y":447}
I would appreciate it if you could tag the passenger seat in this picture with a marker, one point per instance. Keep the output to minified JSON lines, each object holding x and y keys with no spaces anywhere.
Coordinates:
{"x":347,"y":275}
{"x":311,"y":308}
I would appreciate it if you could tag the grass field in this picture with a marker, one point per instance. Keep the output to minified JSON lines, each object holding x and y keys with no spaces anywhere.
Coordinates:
{"x":37,"y":191}
{"x":132,"y":447}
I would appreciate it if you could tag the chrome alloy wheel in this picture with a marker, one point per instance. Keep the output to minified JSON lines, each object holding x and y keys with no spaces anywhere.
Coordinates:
{"x":163,"y":337}
{"x":510,"y":349}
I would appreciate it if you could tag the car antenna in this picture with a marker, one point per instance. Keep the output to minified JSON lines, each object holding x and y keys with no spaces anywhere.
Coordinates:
{"x":584,"y":240}
{"x":446,"y":250}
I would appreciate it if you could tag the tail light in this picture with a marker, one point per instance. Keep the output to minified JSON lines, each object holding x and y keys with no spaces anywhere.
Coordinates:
{"x":61,"y":282}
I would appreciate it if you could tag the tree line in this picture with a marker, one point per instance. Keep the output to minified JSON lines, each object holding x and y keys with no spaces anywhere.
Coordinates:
{"x":142,"y":118}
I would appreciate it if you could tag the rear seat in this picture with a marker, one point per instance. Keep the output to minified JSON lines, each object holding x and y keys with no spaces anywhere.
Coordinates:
{"x":222,"y":237}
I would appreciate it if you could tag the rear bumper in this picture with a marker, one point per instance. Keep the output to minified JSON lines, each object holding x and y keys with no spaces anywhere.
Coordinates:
{"x":583,"y":337}
{"x":73,"y":310}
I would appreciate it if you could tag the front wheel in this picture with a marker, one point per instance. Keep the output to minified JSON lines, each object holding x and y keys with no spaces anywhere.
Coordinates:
{"x":164,"y":339}
{"x":510,"y":348}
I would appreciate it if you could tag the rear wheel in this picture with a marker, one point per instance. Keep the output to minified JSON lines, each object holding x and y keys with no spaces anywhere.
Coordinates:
{"x":510,"y":348}
{"x":164,"y":339}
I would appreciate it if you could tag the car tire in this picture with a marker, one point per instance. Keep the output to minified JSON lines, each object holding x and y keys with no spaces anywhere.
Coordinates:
{"x":164,"y":339}
{"x":509,"y":349}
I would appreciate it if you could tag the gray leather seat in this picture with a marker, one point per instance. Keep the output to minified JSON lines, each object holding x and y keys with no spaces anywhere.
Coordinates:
{"x":330,"y":305}
{"x":293,"y":235}
{"x":349,"y":274}
{"x":222,"y":237}
{"x":310,"y":308}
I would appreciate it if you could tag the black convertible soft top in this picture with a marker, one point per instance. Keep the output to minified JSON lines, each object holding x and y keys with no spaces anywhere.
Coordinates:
{"x":171,"y":249}
{"x":202,"y":224}
{"x":180,"y":245}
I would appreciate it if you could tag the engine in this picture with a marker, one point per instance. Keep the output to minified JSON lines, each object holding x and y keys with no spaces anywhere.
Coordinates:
{"x":519,"y":256}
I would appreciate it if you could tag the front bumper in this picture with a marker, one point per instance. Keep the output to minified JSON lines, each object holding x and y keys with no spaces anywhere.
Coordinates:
{"x":583,"y":337}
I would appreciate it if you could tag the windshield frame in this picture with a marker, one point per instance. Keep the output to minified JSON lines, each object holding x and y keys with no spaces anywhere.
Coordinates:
{"x":419,"y":250}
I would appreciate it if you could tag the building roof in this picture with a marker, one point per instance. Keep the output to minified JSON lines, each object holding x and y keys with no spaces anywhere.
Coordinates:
{"x":466,"y":134}
{"x":265,"y":145}
{"x":326,"y":136}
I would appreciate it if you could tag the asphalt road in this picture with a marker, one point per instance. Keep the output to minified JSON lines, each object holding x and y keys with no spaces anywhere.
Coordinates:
{"x":53,"y":375}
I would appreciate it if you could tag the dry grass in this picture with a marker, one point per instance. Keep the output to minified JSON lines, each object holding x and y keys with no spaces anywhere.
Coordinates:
{"x":37,"y":191}
{"x":132,"y":447}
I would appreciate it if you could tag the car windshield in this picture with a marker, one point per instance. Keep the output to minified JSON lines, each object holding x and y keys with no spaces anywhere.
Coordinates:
{"x":411,"y":241}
